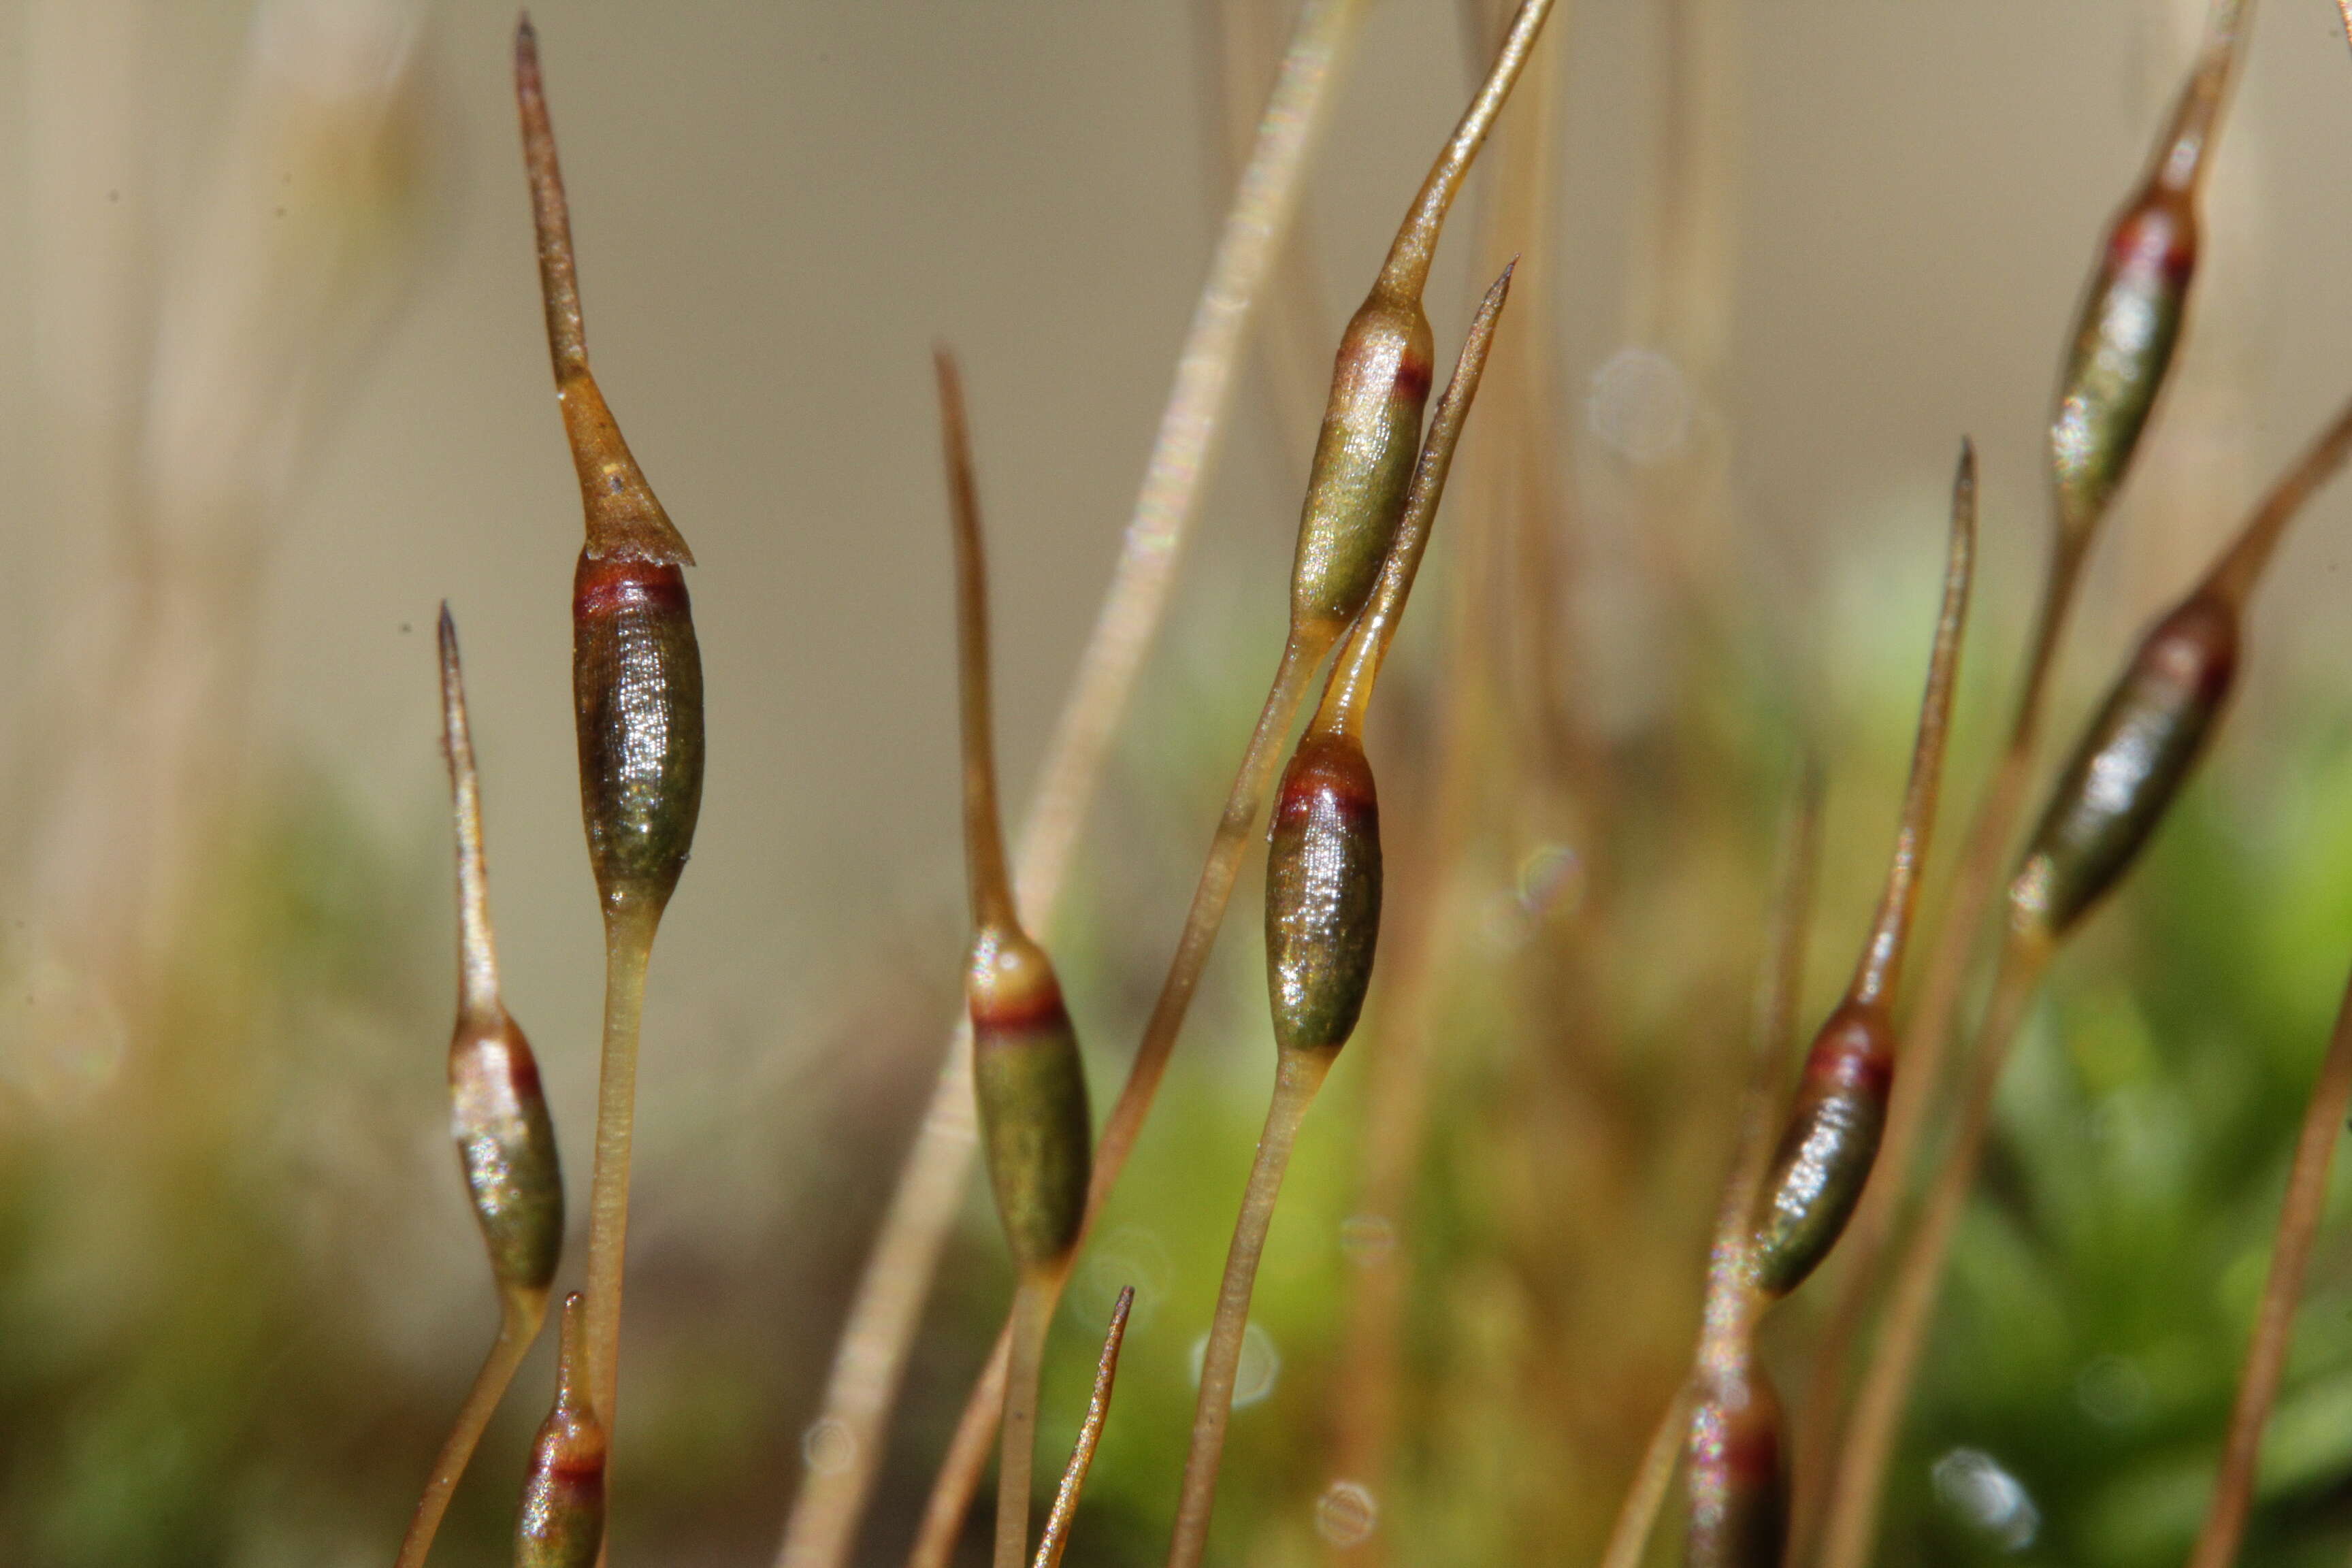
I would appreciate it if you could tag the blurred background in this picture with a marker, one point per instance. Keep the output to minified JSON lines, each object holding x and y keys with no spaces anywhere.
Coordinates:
{"x":273,"y":384}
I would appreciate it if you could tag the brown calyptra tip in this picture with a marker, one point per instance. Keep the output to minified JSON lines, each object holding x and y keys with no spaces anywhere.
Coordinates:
{"x":1739,"y":1473}
{"x":561,"y":1522}
{"x":623,"y":516}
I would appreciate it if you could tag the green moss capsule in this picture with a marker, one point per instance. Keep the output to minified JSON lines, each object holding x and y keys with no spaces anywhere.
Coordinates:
{"x":636,"y":682}
{"x":1364,"y":460}
{"x":561,"y":1523}
{"x":1322,"y":893}
{"x":2129,"y":765}
{"x":1370,"y":437}
{"x":1824,"y":1159}
{"x":2130,"y":320}
{"x":505,"y":1145}
{"x":1739,"y":1473}
{"x":1031,"y":1085}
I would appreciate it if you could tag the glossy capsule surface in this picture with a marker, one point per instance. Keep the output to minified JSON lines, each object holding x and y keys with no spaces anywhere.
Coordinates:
{"x":2122,"y":346}
{"x":505,"y":1145}
{"x":2132,"y":761}
{"x":1364,"y":460}
{"x":637,"y":678}
{"x":1739,"y":1475}
{"x":561,"y":1522}
{"x":1824,"y":1159}
{"x":1322,"y":893}
{"x":1031,"y":1085}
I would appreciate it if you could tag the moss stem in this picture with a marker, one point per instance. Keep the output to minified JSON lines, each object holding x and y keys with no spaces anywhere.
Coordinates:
{"x":628,"y":944}
{"x":1297,"y":1075}
{"x":521,"y":1315}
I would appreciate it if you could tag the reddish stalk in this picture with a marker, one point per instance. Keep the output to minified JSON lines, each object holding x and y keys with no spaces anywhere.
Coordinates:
{"x":2299,"y":1216}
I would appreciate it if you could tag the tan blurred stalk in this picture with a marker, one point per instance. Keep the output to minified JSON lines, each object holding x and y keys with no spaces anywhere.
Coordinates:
{"x":288,"y":264}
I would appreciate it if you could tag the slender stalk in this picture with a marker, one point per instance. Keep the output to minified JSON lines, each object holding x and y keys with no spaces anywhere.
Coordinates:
{"x":1056,"y":1538}
{"x":521,"y":1315}
{"x":870,"y":1359}
{"x":1629,"y":1538}
{"x":2299,"y":1216}
{"x":1853,"y":1521}
{"x":628,"y":945}
{"x":1298,"y":1074}
{"x":1034,"y":1302}
{"x":1779,"y":980}
{"x":936,"y":1532}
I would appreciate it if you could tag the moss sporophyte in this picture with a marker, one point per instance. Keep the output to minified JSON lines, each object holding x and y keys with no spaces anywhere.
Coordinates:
{"x":637,"y":678}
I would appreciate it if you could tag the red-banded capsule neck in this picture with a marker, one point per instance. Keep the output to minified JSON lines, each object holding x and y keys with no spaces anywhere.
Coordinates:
{"x":637,"y":690}
{"x":1738,"y":1483}
{"x":1322,"y":892}
{"x":1363,"y":462}
{"x":506,"y":1146}
{"x":1825,"y":1157}
{"x":2129,"y":326}
{"x":561,"y":1523}
{"x":2130,"y":764}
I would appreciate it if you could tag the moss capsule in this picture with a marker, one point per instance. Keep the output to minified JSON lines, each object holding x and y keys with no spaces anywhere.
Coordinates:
{"x":1739,"y":1473}
{"x":636,"y":683}
{"x":561,"y":1524}
{"x":2130,"y":764}
{"x":505,"y":1145}
{"x":1370,"y":437}
{"x":1825,"y":1157}
{"x":2130,"y":319}
{"x":1031,"y":1085}
{"x":1322,"y":893}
